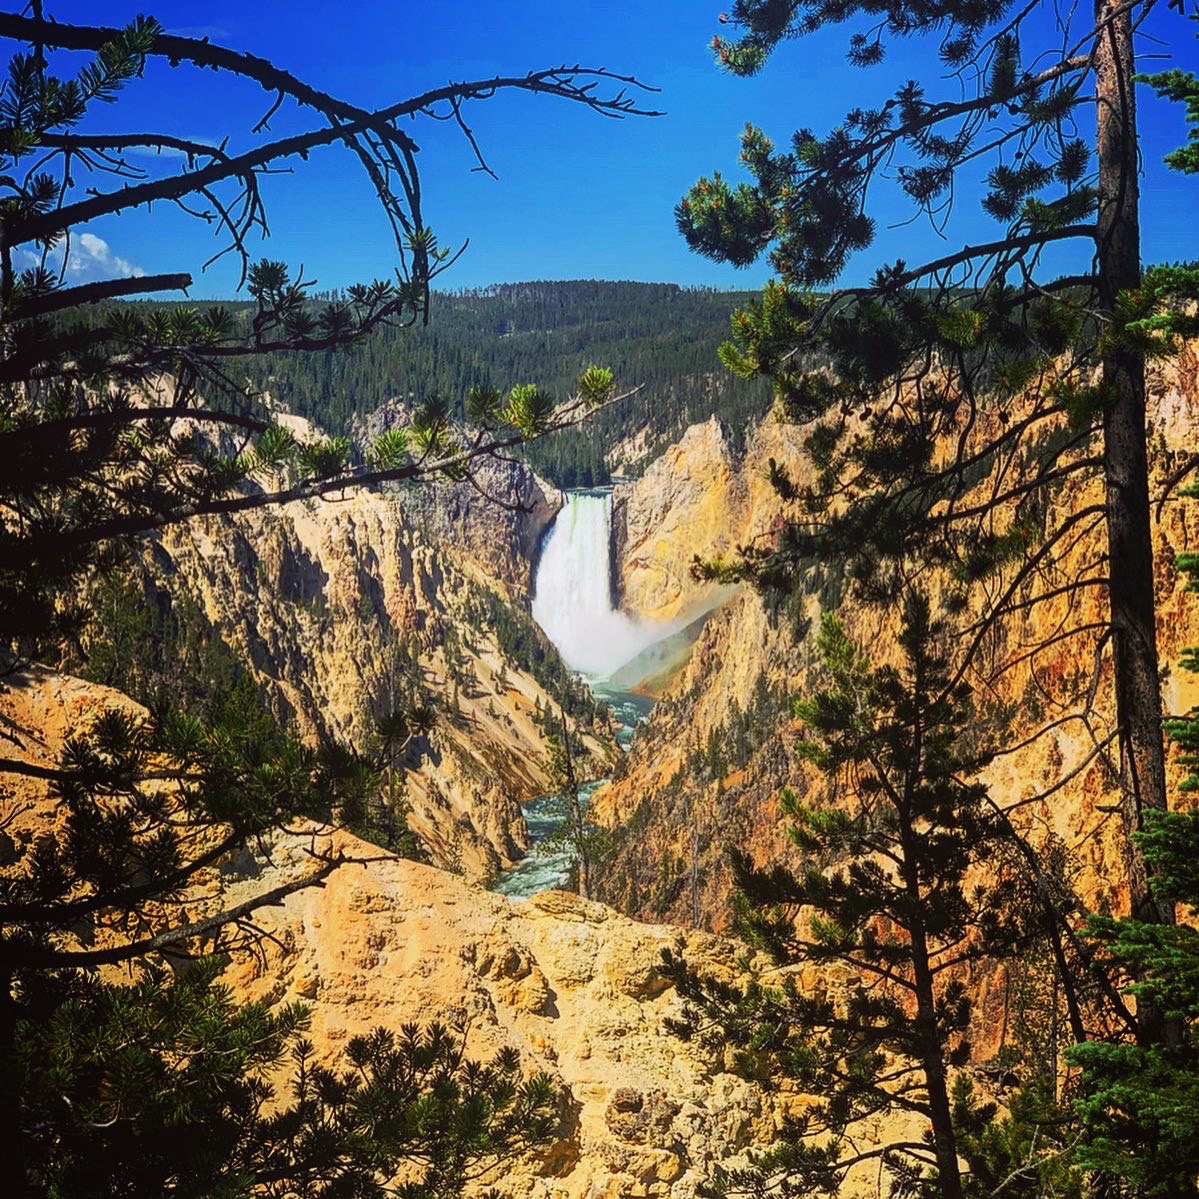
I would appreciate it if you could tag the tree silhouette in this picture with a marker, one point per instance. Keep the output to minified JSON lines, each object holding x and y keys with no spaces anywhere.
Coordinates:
{"x":113,"y":414}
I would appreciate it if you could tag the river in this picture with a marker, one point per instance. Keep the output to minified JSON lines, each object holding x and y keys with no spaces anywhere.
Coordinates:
{"x":547,"y":867}
{"x":573,"y":605}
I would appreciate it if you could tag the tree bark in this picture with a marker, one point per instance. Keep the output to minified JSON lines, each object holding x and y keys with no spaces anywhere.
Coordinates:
{"x":931,"y":1048}
{"x":1130,"y":548}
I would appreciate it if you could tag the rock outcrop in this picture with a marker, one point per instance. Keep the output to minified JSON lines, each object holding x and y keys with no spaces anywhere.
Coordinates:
{"x":695,"y":498}
{"x":497,"y":524}
{"x":700,"y":498}
{"x":573,"y":985}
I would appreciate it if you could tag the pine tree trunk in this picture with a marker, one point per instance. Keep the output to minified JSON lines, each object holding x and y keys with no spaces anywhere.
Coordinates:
{"x":936,"y":1080}
{"x":931,"y":1050}
{"x":931,"y":1046}
{"x":1130,"y":549}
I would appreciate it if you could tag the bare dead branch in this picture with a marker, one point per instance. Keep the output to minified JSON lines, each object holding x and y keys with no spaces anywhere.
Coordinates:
{"x":96,"y":293}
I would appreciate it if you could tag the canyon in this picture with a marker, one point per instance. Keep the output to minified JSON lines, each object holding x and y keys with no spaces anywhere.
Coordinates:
{"x":335,"y":608}
{"x":574,"y":986}
{"x":317,"y":599}
{"x":673,"y":817}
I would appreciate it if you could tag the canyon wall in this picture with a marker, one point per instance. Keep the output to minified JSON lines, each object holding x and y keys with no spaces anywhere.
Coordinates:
{"x":497,"y":522}
{"x":328,"y":603}
{"x":706,"y":770}
{"x":573,"y":986}
{"x":316,"y":598}
{"x":694,"y":497}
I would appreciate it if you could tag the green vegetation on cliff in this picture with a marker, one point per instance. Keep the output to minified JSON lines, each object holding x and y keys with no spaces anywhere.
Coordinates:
{"x":658,"y":336}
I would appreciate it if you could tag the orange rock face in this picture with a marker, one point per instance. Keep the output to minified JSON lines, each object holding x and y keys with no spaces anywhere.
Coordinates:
{"x":315,"y":599}
{"x":673,"y":816}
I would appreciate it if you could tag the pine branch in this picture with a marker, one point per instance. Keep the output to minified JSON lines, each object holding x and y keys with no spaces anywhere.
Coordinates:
{"x":143,"y":522}
{"x":20,"y":440}
{"x":124,"y":897}
{"x":203,"y":53}
{"x":74,"y":143}
{"x":38,"y":957}
{"x":48,"y":225}
{"x":96,"y":293}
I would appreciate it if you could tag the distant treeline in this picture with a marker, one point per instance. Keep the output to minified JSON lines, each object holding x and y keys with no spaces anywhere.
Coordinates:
{"x":656,"y":335}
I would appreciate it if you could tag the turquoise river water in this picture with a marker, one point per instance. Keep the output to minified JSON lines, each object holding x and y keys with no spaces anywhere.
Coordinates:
{"x":547,"y":867}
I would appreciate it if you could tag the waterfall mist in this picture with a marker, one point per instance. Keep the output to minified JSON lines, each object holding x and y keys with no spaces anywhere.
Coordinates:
{"x":573,"y":599}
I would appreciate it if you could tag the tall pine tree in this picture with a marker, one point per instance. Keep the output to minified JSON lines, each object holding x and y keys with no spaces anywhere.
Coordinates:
{"x":966,"y":390}
{"x":887,"y":895}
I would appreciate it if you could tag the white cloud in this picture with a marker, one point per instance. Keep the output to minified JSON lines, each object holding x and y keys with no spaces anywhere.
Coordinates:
{"x":91,"y":258}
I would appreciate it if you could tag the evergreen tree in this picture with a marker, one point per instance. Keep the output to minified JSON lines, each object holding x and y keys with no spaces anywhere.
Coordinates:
{"x":164,"y":1087}
{"x":1140,"y":1101}
{"x":886,"y":895}
{"x":962,"y":393}
{"x":145,"y":809}
{"x":661,"y":335}
{"x":1026,"y":1153}
{"x":562,"y":761}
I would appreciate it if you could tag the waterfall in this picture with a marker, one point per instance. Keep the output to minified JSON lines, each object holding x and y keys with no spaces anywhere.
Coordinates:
{"x":572,"y":603}
{"x":573,"y":598}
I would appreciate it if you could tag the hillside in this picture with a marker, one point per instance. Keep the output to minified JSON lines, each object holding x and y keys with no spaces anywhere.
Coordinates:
{"x":656,"y":336}
{"x":573,"y":987}
{"x":338,"y":614}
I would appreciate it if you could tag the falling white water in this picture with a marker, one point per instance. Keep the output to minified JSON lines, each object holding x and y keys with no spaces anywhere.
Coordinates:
{"x":573,"y":600}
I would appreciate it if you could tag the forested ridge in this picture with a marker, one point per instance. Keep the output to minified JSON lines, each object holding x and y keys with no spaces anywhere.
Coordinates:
{"x":657,"y":336}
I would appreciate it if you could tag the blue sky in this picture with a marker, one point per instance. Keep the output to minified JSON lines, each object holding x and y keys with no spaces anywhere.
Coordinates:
{"x":578,"y":196}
